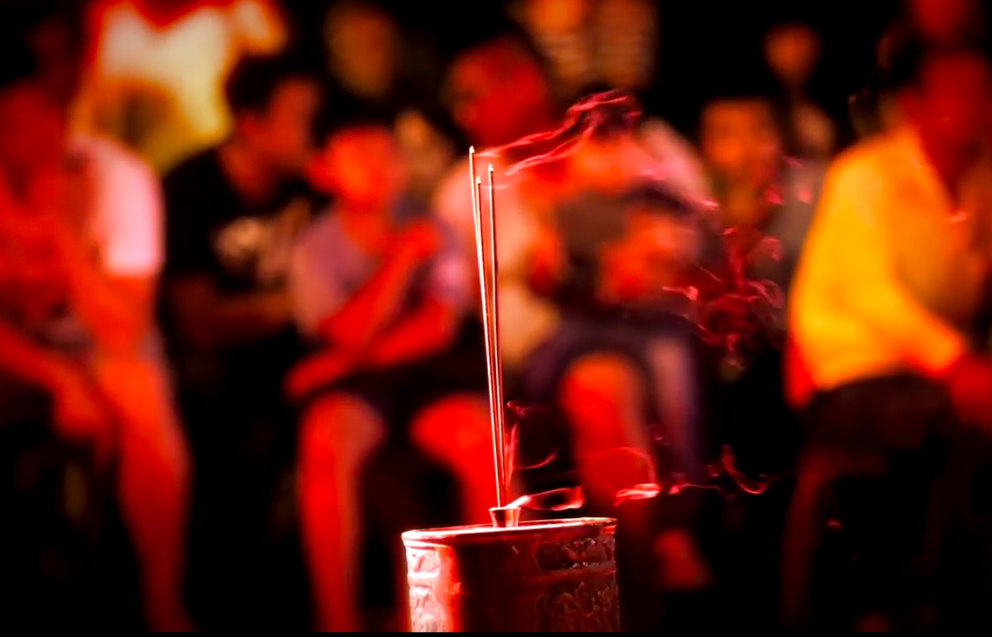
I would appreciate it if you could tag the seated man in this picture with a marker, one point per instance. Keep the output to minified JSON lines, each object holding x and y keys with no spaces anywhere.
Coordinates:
{"x":380,"y":289}
{"x":81,"y":253}
{"x":234,"y":213}
{"x":884,"y":302}
{"x":612,"y":251}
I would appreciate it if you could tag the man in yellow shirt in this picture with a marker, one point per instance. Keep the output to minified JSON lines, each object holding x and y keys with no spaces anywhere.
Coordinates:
{"x":886,"y":296}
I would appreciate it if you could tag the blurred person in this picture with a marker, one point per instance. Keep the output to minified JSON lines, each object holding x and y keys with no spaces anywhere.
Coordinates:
{"x":761,"y":192}
{"x":591,"y":46}
{"x":156,"y":75}
{"x":621,"y":365}
{"x":591,"y":42}
{"x":766,"y":201}
{"x":884,"y":304}
{"x":497,"y":95}
{"x":943,"y":24}
{"x":948,"y":22}
{"x":380,"y":289}
{"x":792,"y":51}
{"x":82,"y":252}
{"x":372,"y":59}
{"x":234,"y":213}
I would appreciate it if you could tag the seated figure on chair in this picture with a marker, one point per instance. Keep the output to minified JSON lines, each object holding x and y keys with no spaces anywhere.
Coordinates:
{"x":379,"y":290}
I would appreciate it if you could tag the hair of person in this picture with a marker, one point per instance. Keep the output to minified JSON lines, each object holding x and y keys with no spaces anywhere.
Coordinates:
{"x":342,"y":8}
{"x":21,"y":19}
{"x":343,"y":112}
{"x":747,"y":82}
{"x":255,"y":79}
{"x":512,"y":39}
{"x":909,"y":55}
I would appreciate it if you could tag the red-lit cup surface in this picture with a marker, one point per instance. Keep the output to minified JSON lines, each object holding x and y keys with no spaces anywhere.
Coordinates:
{"x":557,"y":576}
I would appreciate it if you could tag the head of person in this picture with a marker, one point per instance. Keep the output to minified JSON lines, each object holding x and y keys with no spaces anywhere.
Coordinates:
{"x":946,"y":22}
{"x":362,"y":41}
{"x":740,"y":139}
{"x":53,"y":31}
{"x":359,"y":162}
{"x":553,"y":16}
{"x":946,"y":95}
{"x":273,"y":102}
{"x":497,"y":92}
{"x":33,"y":124}
{"x":792,"y":52}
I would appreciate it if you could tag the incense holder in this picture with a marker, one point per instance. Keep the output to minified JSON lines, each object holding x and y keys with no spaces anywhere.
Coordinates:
{"x":558,"y":576}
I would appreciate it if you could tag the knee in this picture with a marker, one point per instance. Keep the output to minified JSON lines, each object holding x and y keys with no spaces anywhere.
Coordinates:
{"x":339,"y":430}
{"x":600,"y":382}
{"x":455,"y":429}
{"x":139,"y":396}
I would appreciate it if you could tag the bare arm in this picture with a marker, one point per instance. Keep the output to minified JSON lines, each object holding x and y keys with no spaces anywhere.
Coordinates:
{"x":428,"y":330}
{"x":363,"y":317}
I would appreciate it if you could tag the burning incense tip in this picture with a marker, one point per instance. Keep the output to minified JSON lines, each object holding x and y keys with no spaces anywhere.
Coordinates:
{"x":478,"y":181}
{"x":471,"y":150}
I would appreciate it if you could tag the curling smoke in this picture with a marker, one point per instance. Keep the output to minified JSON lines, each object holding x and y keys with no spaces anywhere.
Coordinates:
{"x":731,"y":310}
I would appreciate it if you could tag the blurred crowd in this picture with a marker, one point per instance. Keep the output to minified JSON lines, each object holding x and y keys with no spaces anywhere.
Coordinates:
{"x":240,"y":337}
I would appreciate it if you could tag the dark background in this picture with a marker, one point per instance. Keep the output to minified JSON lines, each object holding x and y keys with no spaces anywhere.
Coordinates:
{"x":704,"y":44}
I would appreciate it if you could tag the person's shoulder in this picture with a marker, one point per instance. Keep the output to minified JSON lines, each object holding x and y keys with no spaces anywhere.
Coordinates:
{"x":453,"y":185}
{"x":116,"y":161}
{"x":867,"y":160}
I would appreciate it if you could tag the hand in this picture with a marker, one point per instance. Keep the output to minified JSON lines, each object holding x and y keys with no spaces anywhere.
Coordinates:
{"x":320,"y":370}
{"x":418,"y":241}
{"x":969,"y":383}
{"x":79,"y":412}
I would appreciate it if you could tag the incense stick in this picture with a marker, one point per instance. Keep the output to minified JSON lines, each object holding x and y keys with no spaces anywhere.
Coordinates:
{"x":490,"y":327}
{"x":497,"y":357}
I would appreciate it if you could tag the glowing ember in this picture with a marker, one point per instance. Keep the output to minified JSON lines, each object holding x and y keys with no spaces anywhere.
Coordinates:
{"x":567,"y":499}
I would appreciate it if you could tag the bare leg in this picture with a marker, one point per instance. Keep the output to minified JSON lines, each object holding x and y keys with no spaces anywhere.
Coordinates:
{"x":603,"y":397}
{"x":338,"y":434}
{"x":153,"y":483}
{"x":455,"y":431}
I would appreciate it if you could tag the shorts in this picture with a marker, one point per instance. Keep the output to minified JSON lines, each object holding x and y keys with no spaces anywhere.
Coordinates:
{"x":399,"y":393}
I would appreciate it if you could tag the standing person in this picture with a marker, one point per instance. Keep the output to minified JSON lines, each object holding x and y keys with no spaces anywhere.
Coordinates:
{"x":157,"y":71}
{"x":234,"y":212}
{"x":792,"y":52}
{"x":82,"y":255}
{"x":884,"y":302}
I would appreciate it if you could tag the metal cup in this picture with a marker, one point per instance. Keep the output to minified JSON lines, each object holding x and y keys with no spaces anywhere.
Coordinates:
{"x":557,"y":576}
